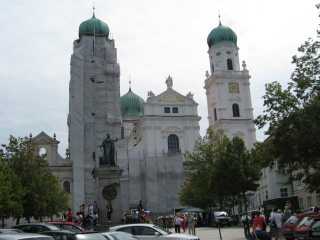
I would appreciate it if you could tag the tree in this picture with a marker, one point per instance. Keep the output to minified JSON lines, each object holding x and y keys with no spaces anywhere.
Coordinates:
{"x":291,"y":117}
{"x":220,"y":171}
{"x":11,"y":192}
{"x":43,"y":195}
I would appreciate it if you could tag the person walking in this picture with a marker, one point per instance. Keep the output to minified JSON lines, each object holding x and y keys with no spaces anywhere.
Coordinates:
{"x":184,"y":223}
{"x":258,"y":226}
{"x":177,"y":223}
{"x":246,"y":225}
{"x":276,"y":221}
{"x":69,"y":215}
{"x":191,"y":224}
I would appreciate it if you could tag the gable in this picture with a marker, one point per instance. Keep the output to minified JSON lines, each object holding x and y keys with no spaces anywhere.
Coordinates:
{"x":170,"y":96}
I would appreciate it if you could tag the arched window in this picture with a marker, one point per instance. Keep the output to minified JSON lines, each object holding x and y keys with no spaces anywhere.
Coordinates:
{"x":229,"y":64}
{"x":66,"y":186}
{"x":235,"y":110}
{"x":173,"y":144}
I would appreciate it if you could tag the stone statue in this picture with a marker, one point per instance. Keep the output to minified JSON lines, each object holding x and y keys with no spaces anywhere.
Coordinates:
{"x":244,"y":65}
{"x":169,"y":82}
{"x":109,"y":156}
{"x":207,"y":74}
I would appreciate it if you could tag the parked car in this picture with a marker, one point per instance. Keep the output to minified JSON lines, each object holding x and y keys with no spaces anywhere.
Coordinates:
{"x":303,"y":229}
{"x":61,"y":234}
{"x":26,"y":236}
{"x":70,"y":226}
{"x":9,"y":230}
{"x":151,"y":232}
{"x":222,"y":218}
{"x":36,"y":227}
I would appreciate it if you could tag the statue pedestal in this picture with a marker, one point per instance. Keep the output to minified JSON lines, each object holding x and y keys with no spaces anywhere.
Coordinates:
{"x":108,"y":186}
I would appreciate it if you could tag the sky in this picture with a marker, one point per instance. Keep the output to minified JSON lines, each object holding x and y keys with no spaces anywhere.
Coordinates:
{"x":153,"y":38}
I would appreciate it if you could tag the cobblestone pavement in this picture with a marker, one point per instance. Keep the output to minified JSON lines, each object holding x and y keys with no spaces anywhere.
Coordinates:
{"x":232,"y":233}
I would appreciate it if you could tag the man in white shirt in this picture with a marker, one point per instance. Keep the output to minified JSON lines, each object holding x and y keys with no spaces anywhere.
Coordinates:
{"x":276,"y":218}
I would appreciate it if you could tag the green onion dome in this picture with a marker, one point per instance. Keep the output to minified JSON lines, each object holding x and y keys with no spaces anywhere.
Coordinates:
{"x":131,"y":105}
{"x":94,"y":26}
{"x":220,"y":34}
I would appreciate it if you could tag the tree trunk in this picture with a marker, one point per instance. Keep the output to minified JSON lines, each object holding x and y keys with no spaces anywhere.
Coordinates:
{"x":2,"y":222}
{"x":245,"y":203}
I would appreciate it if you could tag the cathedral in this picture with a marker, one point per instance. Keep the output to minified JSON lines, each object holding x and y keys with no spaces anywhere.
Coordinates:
{"x":126,"y":149}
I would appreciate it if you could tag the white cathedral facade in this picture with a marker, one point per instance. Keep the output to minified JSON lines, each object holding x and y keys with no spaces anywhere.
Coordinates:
{"x":150,"y":135}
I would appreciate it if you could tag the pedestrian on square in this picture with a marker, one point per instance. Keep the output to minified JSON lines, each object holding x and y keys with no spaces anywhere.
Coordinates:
{"x":246,"y":225}
{"x":184,"y":223}
{"x":276,"y":220}
{"x":177,"y":223}
{"x":69,"y":215}
{"x":190,"y":223}
{"x":258,"y":226}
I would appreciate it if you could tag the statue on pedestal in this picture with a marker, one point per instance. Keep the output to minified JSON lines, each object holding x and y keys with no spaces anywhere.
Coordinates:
{"x":109,"y":156}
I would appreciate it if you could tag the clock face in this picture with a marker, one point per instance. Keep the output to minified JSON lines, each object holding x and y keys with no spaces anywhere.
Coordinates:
{"x":234,"y":87}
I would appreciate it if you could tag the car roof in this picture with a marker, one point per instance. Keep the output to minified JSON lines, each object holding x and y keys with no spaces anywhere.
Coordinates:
{"x":133,"y":225}
{"x":58,"y":231}
{"x":36,"y":223}
{"x":16,"y":236}
{"x":61,"y":222}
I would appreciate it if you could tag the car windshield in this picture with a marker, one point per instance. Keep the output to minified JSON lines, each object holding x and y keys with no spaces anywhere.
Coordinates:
{"x":307,"y":221}
{"x":161,"y":230}
{"x":220,"y":214}
{"x":292,"y":220}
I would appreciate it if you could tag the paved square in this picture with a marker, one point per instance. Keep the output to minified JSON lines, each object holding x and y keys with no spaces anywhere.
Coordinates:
{"x":234,"y":233}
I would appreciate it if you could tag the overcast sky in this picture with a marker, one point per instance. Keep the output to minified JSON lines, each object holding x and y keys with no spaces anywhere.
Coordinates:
{"x":154,"y":38}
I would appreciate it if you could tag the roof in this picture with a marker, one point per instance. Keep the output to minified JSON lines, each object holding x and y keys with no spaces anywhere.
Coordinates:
{"x":131,"y":105}
{"x":220,"y":34}
{"x":94,"y":27}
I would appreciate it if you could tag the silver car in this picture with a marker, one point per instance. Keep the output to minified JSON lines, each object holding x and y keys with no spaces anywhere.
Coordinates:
{"x":151,"y":232}
{"x":24,"y":236}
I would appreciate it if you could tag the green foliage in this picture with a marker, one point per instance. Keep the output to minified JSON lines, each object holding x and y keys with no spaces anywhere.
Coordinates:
{"x":220,"y":171}
{"x":11,"y":191}
{"x":42,"y":193}
{"x":291,"y":116}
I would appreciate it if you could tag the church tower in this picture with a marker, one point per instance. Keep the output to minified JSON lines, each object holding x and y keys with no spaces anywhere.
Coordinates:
{"x":228,"y":87}
{"x":94,"y":106}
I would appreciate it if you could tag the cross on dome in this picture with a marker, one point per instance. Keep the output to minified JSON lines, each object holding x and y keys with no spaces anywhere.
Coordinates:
{"x":93,"y":9}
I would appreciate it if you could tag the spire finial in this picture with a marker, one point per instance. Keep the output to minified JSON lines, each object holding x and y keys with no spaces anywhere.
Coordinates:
{"x":130,"y":83}
{"x":93,"y":10}
{"x":219,"y":18}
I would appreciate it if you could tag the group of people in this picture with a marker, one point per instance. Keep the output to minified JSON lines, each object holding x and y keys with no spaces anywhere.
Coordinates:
{"x":259,"y":224}
{"x":137,"y":215}
{"x":86,"y":217}
{"x":184,"y":222}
